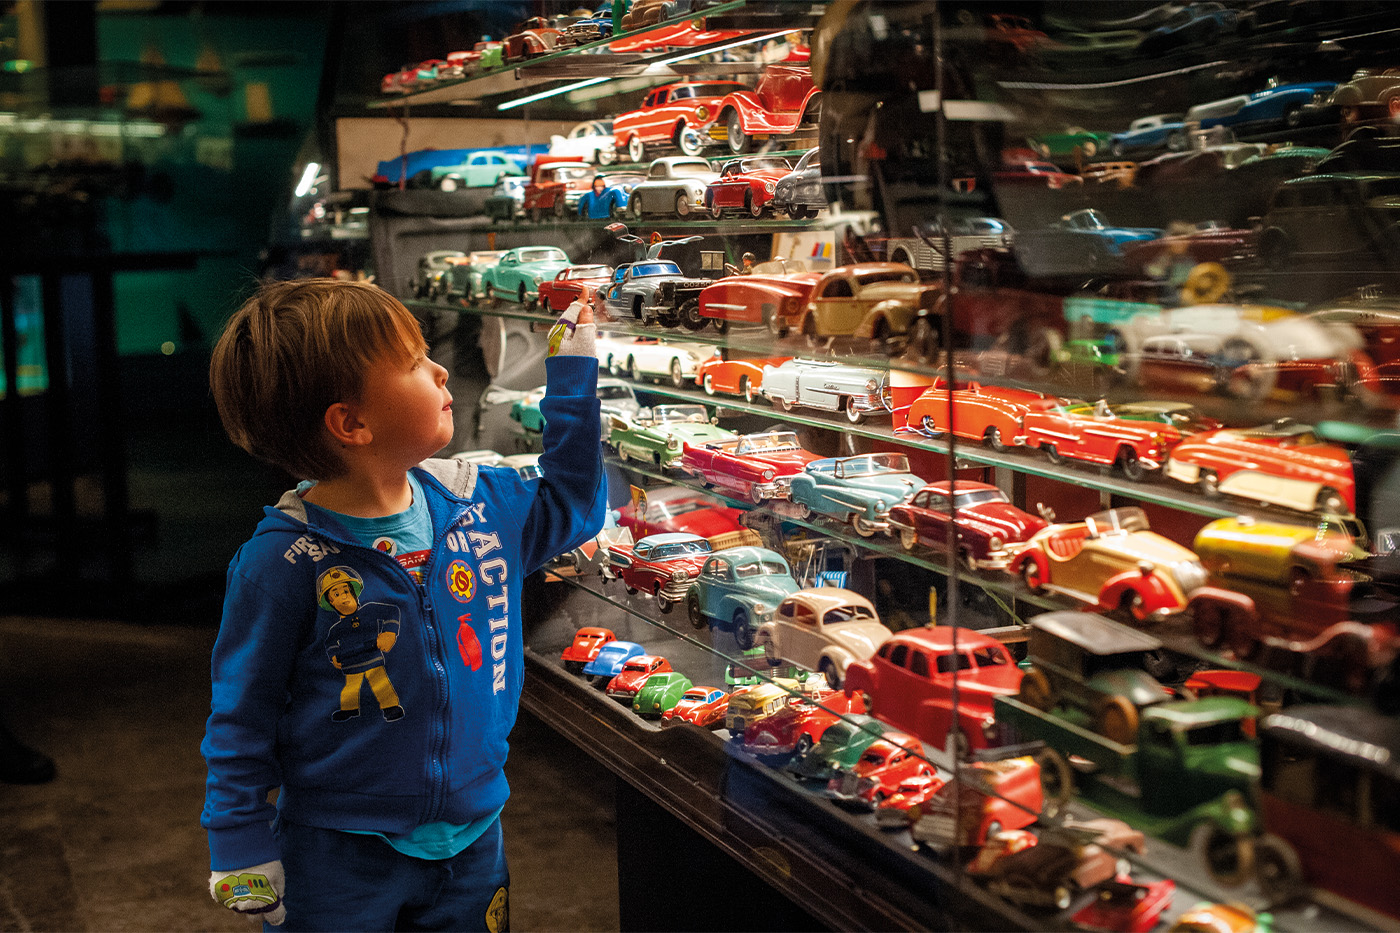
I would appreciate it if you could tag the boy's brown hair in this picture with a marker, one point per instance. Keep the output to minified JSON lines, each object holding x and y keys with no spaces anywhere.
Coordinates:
{"x":293,"y":350}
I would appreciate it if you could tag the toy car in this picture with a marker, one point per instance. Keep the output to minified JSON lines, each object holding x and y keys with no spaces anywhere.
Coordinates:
{"x":908,"y":683}
{"x":431,"y":278}
{"x":1069,"y":857}
{"x":586,"y":645}
{"x":535,"y":37}
{"x":506,"y":199}
{"x":1111,"y":560}
{"x":1372,"y":93}
{"x":465,"y":278}
{"x":1093,"y":433}
{"x":699,"y":706}
{"x":756,"y":466}
{"x":799,"y":723}
{"x":678,"y":509}
{"x":591,"y":141}
{"x":784,"y":102}
{"x":1122,"y":905}
{"x":894,"y":811}
{"x":840,"y":747}
{"x":822,"y":630}
{"x":745,"y":185}
{"x":555,"y":188}
{"x":991,"y":414}
{"x":860,"y":489}
{"x":799,"y":193}
{"x":652,"y":357}
{"x":1283,"y":464}
{"x":857,"y":391}
{"x":660,"y":565}
{"x":988,"y":526}
{"x":517,"y":275}
{"x":989,"y":797}
{"x":482,"y":169}
{"x":1082,"y":241}
{"x":650,"y":292}
{"x":675,"y":185}
{"x":634,"y":673}
{"x":1276,"y":107}
{"x":737,"y":589}
{"x":1149,"y":134}
{"x":676,"y":114}
{"x":734,"y":376}
{"x":609,"y":661}
{"x":659,"y":694}
{"x":573,"y":283}
{"x":879,"y":771}
{"x":1068,"y":144}
{"x":658,"y":435}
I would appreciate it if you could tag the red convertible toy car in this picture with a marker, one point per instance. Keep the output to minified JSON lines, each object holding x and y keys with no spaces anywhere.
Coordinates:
{"x":701,"y":706}
{"x":586,"y":645}
{"x":735,"y":377}
{"x":662,"y":565}
{"x":881,"y":768}
{"x":678,"y":509}
{"x":759,"y":466}
{"x":575,"y":283}
{"x":1093,"y":433}
{"x":676,"y":114}
{"x":990,"y":414}
{"x":784,"y":102}
{"x":909,"y":684}
{"x":800,"y":724}
{"x":987,"y":523}
{"x":624,"y":686}
{"x":745,"y":185}
{"x":1283,"y":464}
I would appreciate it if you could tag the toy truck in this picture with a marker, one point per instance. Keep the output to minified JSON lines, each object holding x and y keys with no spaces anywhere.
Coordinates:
{"x":1185,"y":779}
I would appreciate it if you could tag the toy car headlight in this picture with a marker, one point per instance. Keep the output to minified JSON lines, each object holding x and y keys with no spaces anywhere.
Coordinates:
{"x":703,"y":112}
{"x":770,"y":185}
{"x":872,"y":385}
{"x":768,"y":475}
{"x":880,"y":505}
{"x":678,"y":575}
{"x":996,"y":543}
{"x":673,"y":442}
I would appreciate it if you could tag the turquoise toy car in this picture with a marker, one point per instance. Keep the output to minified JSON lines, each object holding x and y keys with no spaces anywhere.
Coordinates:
{"x":859,"y":489}
{"x":517,"y":275}
{"x":617,"y":396}
{"x":738,"y":588}
{"x":659,"y":435}
{"x":659,"y":693}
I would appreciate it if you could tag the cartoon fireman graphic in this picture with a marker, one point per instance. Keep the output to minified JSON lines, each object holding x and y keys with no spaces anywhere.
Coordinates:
{"x":357,"y":642}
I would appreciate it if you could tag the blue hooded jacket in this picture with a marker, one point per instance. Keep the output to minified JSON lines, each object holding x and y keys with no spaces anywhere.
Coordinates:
{"x":455,"y":656}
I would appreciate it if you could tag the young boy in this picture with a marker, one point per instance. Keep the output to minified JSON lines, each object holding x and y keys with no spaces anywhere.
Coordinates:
{"x":389,"y":576}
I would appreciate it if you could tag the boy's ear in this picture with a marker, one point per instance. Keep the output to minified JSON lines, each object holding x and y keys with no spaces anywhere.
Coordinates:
{"x":343,"y":421}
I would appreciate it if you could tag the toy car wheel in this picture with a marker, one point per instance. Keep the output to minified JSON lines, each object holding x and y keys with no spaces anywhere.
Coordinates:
{"x":677,"y":374}
{"x":1209,"y":481}
{"x":537,"y":215}
{"x":662,"y":602}
{"x":715,"y":210}
{"x":1330,"y":501}
{"x":520,"y":296}
{"x":1229,"y":858}
{"x":622,"y":454}
{"x":636,"y":149}
{"x":449,"y":183}
{"x":1208,"y":622}
{"x":1134,"y":606}
{"x":1052,"y":454}
{"x":743,"y":634}
{"x":755,"y":494}
{"x":1176,"y":140}
{"x":634,"y":205}
{"x":1277,"y":868}
{"x":682,"y":205}
{"x":802,"y":746}
{"x":802,"y":213}
{"x":1056,"y":779}
{"x":692,"y":610}
{"x":828,"y":670}
{"x":1129,"y":463}
{"x":1117,"y":719}
{"x":754,"y":207}
{"x":853,"y":414}
{"x":1117,"y":148}
{"x":908,"y":538}
{"x":784,"y":403}
{"x":739,"y":141}
{"x":631,"y":590}
{"x":863,"y":526}
{"x":1032,"y":575}
{"x":804,"y":511}
{"x":1036,"y":690}
{"x":992,"y":438}
{"x":708,"y":384}
{"x":774,"y":322}
{"x":746,"y":389}
{"x":689,"y":314}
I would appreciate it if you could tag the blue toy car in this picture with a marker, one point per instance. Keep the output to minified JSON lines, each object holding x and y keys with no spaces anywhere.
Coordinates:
{"x":609,"y":661}
{"x":859,"y":489}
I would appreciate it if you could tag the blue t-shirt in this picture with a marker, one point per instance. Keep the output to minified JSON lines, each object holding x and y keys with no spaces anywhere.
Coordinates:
{"x":407,"y":537}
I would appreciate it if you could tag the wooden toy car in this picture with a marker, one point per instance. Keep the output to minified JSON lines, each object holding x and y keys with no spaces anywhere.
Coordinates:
{"x":988,"y":527}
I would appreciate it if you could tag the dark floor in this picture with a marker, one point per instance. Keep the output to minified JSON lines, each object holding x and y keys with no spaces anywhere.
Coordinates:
{"x":117,"y":691}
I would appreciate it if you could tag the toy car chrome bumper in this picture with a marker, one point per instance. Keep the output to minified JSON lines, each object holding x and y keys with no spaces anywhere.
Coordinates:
{"x":675,"y":590}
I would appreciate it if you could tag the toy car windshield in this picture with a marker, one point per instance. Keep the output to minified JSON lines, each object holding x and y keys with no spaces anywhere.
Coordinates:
{"x":965,"y":499}
{"x":680,"y":549}
{"x":543,"y":255}
{"x":870,"y":278}
{"x":756,"y":442}
{"x":1116,"y":520}
{"x":678,"y":413}
{"x":874,"y":463}
{"x":848,"y":614}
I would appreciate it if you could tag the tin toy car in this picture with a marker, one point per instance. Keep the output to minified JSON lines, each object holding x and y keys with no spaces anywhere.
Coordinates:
{"x":609,"y":661}
{"x":799,"y":723}
{"x":908,"y":683}
{"x":1282,"y":464}
{"x":535,"y":37}
{"x":675,"y":185}
{"x":745,"y":185}
{"x":991,"y":414}
{"x":1150,"y":134}
{"x":822,"y":630}
{"x":735,"y":376}
{"x":860,"y":489}
{"x":1093,"y":433}
{"x":675,"y":114}
{"x":737,"y":589}
{"x":782,"y":103}
{"x":465,"y":278}
{"x":591,"y":141}
{"x":799,"y":193}
{"x":660,"y":693}
{"x":856,"y":391}
{"x":1074,"y":856}
{"x":756,"y":466}
{"x":652,"y":358}
{"x":678,"y":509}
{"x":840,"y":747}
{"x":879,"y":771}
{"x":991,"y":796}
{"x":517,"y":275}
{"x":988,"y":525}
{"x":658,"y":435}
{"x":1112,"y":560}
{"x":1122,"y":905}
{"x":663,"y":565}
{"x":574,"y":283}
{"x":753,"y":702}
{"x":894,"y":811}
{"x":555,"y":187}
{"x":700,"y":706}
{"x":651,"y":291}
{"x":635,"y":671}
{"x":586,"y":645}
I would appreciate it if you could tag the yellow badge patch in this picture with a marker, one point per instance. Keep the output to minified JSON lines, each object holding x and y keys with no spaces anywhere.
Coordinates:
{"x":498,"y":912}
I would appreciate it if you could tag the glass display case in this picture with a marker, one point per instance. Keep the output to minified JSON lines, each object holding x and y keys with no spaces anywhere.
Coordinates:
{"x":1000,"y":414}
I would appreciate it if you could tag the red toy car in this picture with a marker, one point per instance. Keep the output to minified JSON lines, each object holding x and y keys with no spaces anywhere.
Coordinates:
{"x":1126,"y":906}
{"x":987,"y":523}
{"x":898,"y":809}
{"x":662,"y":565}
{"x":1093,"y":433}
{"x":679,"y":509}
{"x":992,"y":796}
{"x":536,"y":37}
{"x":556,"y":184}
{"x":624,"y":686}
{"x":908,"y":683}
{"x":799,"y":724}
{"x":701,"y":706}
{"x":745,"y":185}
{"x":735,"y":377}
{"x":1035,"y":174}
{"x":573,"y":284}
{"x":879,"y":772}
{"x":990,"y":414}
{"x":770,"y":300}
{"x":675,"y":114}
{"x":758,"y":466}
{"x":587,"y":643}
{"x":1283,"y":464}
{"x":784,"y":102}
{"x":689,"y":34}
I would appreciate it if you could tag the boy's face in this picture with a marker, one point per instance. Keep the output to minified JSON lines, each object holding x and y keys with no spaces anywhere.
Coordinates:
{"x":407,"y":408}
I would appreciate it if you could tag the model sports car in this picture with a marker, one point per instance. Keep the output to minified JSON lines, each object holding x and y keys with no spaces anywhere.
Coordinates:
{"x":908,"y":683}
{"x":517,"y":275}
{"x":1278,"y":106}
{"x":659,"y":694}
{"x":650,"y":292}
{"x":758,"y":466}
{"x":1282,"y":464}
{"x":783,"y":102}
{"x":659,"y":435}
{"x":699,"y":706}
{"x":591,"y":141}
{"x":860,"y":489}
{"x":652,"y":357}
{"x":745,"y":185}
{"x":675,"y":114}
{"x":988,"y":526}
{"x":735,"y":377}
{"x":1095,"y":434}
{"x":675,"y":185}
{"x":822,"y":630}
{"x":609,"y":661}
{"x":1112,"y":560}
{"x":634,"y":673}
{"x":737,"y":589}
{"x":991,"y":414}
{"x":573,"y":283}
{"x":799,"y":193}
{"x":586,"y":645}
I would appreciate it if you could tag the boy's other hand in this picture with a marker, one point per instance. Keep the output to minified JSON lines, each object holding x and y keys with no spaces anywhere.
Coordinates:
{"x":385,"y":641}
{"x":254,"y":892}
{"x":574,"y":334}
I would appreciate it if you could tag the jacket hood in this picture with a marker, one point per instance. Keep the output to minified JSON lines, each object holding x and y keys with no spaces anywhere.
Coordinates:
{"x":457,"y":477}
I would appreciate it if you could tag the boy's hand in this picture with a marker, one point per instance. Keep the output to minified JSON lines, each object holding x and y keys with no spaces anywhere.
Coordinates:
{"x":254,"y":892}
{"x":575,"y":334}
{"x":386,"y":641}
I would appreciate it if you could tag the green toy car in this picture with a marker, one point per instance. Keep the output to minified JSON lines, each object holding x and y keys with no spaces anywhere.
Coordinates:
{"x":659,"y":693}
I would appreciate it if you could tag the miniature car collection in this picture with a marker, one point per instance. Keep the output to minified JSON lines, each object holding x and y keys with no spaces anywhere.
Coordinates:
{"x":1181,"y":308}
